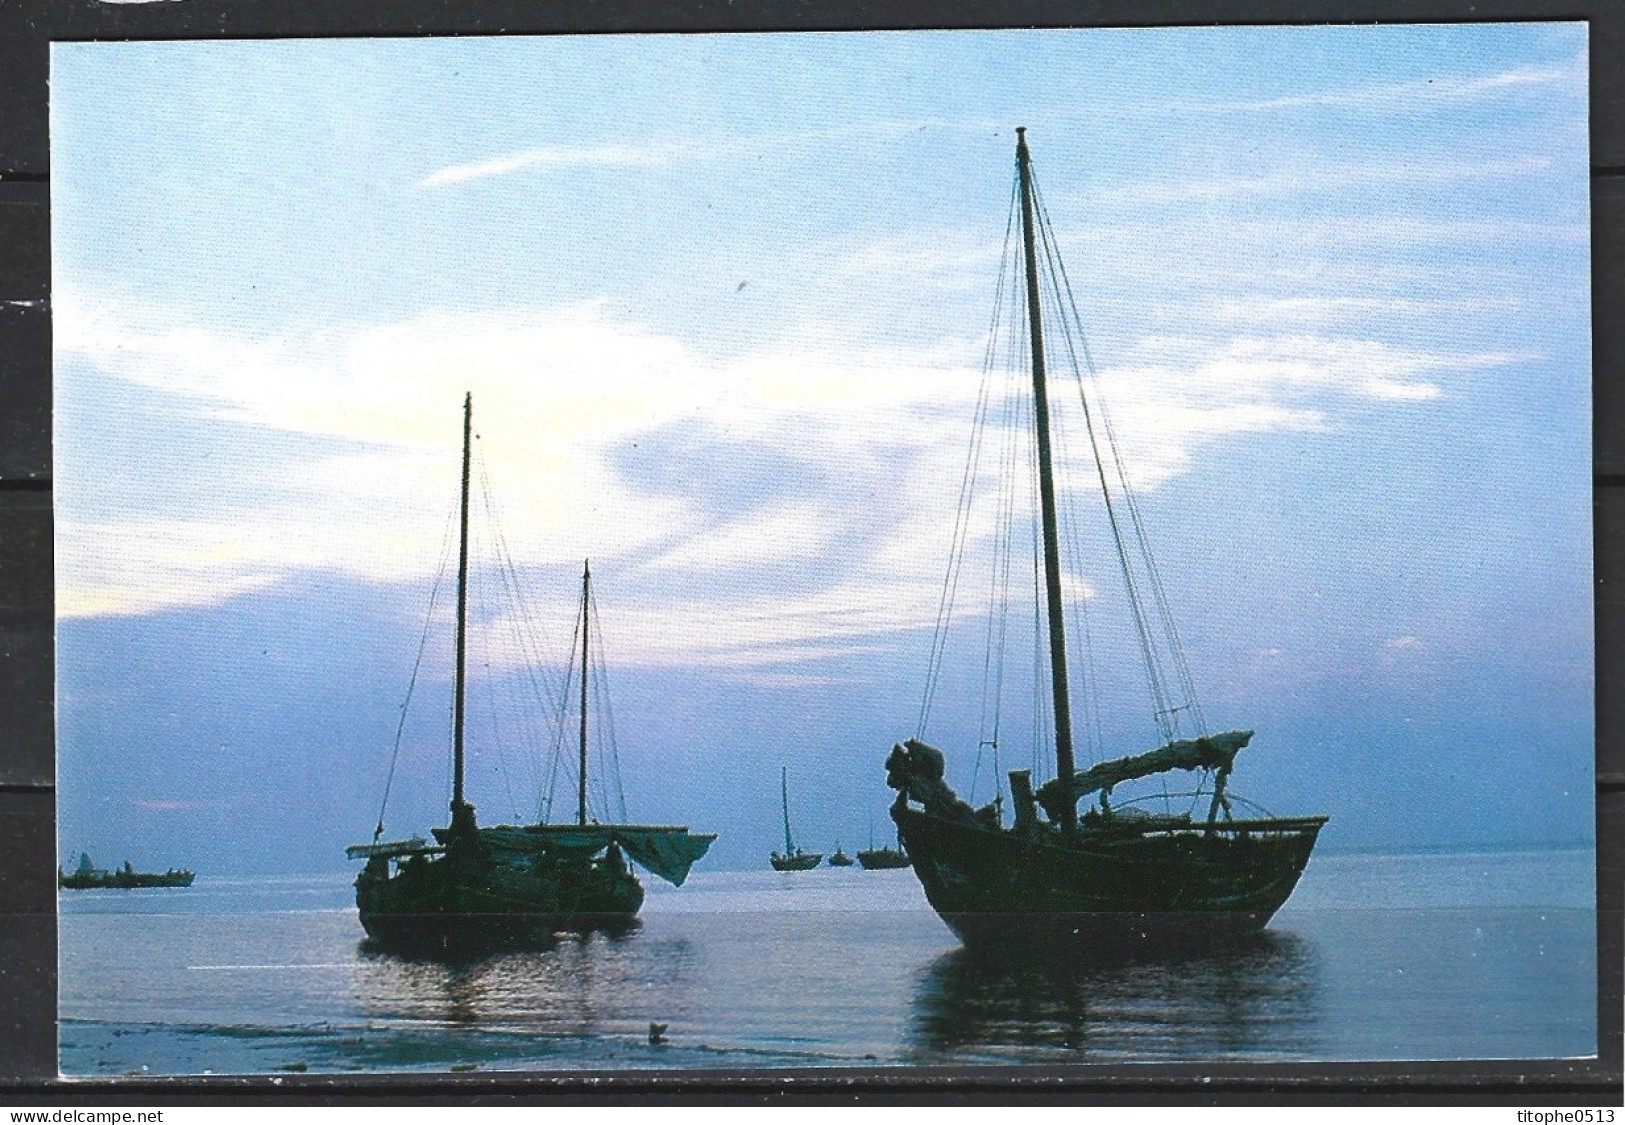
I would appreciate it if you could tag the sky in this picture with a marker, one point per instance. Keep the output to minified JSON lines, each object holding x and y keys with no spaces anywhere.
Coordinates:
{"x":722,"y":303}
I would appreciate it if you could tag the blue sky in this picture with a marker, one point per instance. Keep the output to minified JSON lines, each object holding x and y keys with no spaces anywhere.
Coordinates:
{"x":721,"y":301}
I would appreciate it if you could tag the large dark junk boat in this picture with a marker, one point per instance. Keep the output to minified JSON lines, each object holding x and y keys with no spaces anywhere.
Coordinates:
{"x":475,"y":886}
{"x":1120,"y":876}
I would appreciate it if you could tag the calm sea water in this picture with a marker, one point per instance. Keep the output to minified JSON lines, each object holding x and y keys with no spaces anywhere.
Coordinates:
{"x":1489,"y":955}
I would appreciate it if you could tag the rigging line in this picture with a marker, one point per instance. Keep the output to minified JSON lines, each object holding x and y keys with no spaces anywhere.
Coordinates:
{"x":558,"y":754}
{"x":1010,"y":474}
{"x":536,"y":668}
{"x":611,"y":762}
{"x":521,"y":712}
{"x":999,"y":585}
{"x":950,"y":581}
{"x":1093,"y":727}
{"x":989,"y":648}
{"x":598,"y":789}
{"x":1159,"y":596}
{"x":608,"y":724}
{"x":522,"y":718}
{"x":1078,"y":607}
{"x":535,"y":663}
{"x":559,"y":714}
{"x":451,"y":738}
{"x":526,"y":730}
{"x":939,"y":637}
{"x":411,"y":684}
{"x":1043,"y":721}
{"x":484,"y":612}
{"x":1072,"y":547}
{"x":1155,"y":678}
{"x":1159,"y":593}
{"x":1137,"y":610}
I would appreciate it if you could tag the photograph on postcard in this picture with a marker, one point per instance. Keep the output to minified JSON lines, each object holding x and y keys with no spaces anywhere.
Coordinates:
{"x":650,"y":552}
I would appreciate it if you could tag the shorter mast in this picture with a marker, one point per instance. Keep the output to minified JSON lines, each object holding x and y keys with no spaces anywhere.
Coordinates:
{"x":457,"y":801}
{"x":586,"y":594}
{"x":784,"y":802}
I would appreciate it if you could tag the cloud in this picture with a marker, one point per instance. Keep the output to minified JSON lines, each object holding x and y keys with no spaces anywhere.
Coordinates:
{"x":1320,"y":179}
{"x":557,"y":156}
{"x":1415,"y":94}
{"x":1400,"y":650}
{"x":1257,"y":310}
{"x":650,"y":153}
{"x":839,"y":547}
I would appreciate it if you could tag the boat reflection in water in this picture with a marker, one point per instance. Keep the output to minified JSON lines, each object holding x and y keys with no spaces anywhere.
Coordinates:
{"x":577,"y":996}
{"x":1256,"y":999}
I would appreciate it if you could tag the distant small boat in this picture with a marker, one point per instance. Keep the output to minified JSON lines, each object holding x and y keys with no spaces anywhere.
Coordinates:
{"x":840,"y":858}
{"x":793,"y":858}
{"x":882,"y":859}
{"x":87,"y":876}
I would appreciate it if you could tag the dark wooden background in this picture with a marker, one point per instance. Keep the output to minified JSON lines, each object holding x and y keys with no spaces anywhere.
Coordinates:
{"x":27,"y":753}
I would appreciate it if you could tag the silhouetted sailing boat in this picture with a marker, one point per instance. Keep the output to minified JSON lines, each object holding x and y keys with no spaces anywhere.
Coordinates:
{"x":793,"y":858}
{"x":838,"y":858}
{"x":88,"y":876}
{"x":1114,"y":877}
{"x":509,"y":883}
{"x":881,"y":859}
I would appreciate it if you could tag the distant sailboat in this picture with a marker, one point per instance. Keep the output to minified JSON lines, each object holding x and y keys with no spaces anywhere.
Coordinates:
{"x":87,"y":876}
{"x":838,"y":858}
{"x":1114,"y":877}
{"x":511,"y":883}
{"x":793,"y":858}
{"x":881,"y":859}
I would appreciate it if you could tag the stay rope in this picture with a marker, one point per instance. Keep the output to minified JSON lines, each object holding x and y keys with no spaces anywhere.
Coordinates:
{"x":423,"y":643}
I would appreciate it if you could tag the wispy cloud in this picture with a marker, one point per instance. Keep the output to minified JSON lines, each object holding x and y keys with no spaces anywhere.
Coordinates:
{"x":1444,"y":88}
{"x":558,"y":156}
{"x":1258,"y":310}
{"x":652,"y":153}
{"x":1321,"y":179}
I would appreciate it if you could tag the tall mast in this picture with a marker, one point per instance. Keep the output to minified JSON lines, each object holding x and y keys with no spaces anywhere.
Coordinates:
{"x":1046,"y":490}
{"x":586,"y":593}
{"x":784,"y":802}
{"x":462,"y":612}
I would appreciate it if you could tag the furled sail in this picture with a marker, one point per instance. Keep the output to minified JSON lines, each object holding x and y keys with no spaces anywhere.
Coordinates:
{"x":1214,"y":752}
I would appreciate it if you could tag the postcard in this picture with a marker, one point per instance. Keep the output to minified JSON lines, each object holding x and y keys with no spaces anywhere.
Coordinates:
{"x":865,"y":550}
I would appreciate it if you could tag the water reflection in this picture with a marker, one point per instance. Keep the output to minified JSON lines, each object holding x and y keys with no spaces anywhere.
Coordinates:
{"x":1259,"y":999}
{"x":576,"y":984}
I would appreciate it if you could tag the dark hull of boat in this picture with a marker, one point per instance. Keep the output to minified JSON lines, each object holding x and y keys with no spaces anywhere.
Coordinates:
{"x":801,"y":861}
{"x":1107,"y":890}
{"x":124,"y":880}
{"x":440,"y":904}
{"x":840,"y":859}
{"x":883,"y":859}
{"x":453,"y":935}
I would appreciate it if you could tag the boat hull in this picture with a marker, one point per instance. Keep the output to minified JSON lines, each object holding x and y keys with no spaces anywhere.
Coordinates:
{"x":800,"y":861}
{"x":1106,"y":890}
{"x":883,"y":859}
{"x":123,"y":880}
{"x":446,"y":904}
